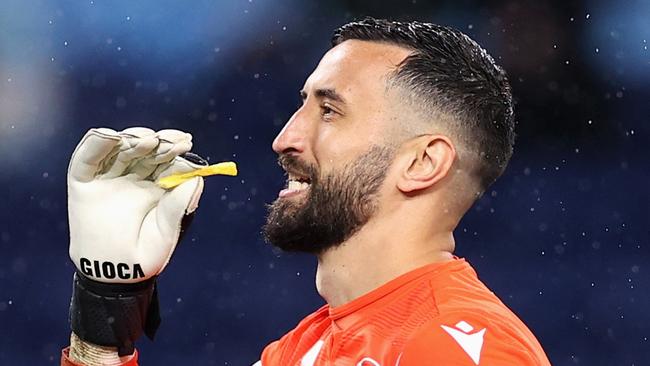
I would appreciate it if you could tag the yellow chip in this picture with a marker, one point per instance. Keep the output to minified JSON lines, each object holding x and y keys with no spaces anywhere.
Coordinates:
{"x":225,"y":168}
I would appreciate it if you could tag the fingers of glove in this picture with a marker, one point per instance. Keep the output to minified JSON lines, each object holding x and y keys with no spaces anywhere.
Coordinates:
{"x":88,"y":158}
{"x":136,"y":143}
{"x":161,"y":227}
{"x":179,"y":165}
{"x":171,"y":144}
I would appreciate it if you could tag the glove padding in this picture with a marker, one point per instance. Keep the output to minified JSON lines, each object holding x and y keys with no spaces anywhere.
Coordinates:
{"x":123,"y":227}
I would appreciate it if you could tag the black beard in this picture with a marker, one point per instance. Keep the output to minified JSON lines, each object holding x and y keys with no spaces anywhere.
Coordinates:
{"x":337,"y":205}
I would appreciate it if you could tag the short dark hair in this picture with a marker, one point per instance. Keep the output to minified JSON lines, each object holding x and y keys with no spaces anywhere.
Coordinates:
{"x":451,"y":73}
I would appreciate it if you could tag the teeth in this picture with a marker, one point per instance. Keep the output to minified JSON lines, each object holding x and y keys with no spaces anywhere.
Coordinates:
{"x":295,"y":185}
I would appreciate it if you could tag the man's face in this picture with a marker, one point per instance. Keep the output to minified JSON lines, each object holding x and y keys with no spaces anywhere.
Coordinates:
{"x":334,"y":149}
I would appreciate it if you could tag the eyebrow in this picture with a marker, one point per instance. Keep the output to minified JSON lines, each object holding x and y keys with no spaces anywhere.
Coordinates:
{"x":325,"y":93}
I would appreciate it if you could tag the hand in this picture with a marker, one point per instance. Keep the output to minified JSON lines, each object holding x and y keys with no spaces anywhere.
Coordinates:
{"x":123,"y":227}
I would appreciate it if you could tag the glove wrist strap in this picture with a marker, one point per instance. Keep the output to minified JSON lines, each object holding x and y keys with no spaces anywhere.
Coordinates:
{"x":114,"y":315}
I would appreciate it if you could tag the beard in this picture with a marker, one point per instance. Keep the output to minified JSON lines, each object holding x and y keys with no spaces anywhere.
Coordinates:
{"x":336,"y":205}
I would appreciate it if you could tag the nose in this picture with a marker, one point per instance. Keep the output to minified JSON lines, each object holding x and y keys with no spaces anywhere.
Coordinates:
{"x":293,"y":136}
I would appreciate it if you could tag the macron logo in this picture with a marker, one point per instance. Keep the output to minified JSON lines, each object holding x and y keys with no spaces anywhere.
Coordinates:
{"x":471,"y":343}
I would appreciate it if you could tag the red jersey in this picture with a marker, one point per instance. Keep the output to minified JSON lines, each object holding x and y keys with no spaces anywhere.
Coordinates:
{"x":440,"y":314}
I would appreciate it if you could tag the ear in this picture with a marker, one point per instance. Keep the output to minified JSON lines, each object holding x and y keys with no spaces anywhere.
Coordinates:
{"x":429,"y":160}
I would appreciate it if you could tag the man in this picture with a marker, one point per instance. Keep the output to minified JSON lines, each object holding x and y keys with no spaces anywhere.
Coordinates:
{"x":402,"y":127}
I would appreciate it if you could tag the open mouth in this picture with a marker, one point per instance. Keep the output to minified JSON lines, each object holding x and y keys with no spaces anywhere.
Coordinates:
{"x":296,"y":184}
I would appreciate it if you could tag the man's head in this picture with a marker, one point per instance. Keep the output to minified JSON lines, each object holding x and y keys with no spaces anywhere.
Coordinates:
{"x":393,"y":112}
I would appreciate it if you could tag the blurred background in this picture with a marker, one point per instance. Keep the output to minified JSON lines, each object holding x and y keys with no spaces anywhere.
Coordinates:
{"x":562,"y":238}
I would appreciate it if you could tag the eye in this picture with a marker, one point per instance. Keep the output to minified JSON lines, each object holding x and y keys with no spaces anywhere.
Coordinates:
{"x":326,"y":111}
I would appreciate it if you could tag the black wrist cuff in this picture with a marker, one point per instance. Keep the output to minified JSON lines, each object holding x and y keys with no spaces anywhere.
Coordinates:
{"x":114,"y":315}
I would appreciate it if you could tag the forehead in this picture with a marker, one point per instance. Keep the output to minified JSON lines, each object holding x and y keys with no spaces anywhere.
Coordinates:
{"x":356,"y":68}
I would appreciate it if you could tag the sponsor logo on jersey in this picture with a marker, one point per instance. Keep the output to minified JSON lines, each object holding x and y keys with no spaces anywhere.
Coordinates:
{"x":367,"y":361}
{"x":471,"y":343}
{"x":110,"y":270}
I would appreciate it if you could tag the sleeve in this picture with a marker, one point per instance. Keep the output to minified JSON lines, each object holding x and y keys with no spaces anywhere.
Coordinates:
{"x":65,"y":359}
{"x":465,"y":341}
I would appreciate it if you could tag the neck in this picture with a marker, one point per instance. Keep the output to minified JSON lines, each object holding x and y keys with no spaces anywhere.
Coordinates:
{"x":379,"y":252}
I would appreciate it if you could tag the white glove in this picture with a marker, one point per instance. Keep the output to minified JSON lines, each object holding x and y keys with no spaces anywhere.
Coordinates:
{"x":123,"y":227}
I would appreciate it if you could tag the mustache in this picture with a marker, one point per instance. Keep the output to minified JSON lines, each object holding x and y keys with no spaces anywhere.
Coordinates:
{"x":295,"y":165}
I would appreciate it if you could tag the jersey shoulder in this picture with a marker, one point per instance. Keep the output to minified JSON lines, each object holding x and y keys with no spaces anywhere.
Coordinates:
{"x":473,"y":337}
{"x":472,"y":327}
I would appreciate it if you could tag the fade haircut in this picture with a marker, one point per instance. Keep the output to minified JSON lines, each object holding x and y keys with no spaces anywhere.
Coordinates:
{"x":449,"y":74}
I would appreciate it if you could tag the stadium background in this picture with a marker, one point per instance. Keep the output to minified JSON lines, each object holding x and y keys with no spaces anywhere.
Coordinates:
{"x":562,"y":238}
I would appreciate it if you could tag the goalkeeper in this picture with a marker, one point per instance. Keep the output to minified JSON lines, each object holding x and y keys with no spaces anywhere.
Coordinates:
{"x":403,"y":126}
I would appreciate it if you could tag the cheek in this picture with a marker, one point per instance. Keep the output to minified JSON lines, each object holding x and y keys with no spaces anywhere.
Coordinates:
{"x":343,"y":140}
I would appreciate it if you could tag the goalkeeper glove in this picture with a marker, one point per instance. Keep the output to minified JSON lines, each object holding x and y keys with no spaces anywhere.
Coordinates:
{"x":124,"y":228}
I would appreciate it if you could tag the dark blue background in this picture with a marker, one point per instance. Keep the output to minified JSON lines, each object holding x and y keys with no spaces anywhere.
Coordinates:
{"x":562,"y":238}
